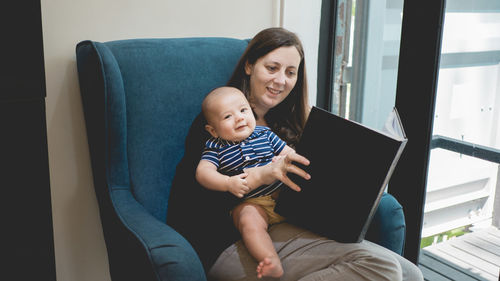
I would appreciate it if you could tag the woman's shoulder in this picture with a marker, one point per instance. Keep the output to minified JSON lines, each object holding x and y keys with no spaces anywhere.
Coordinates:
{"x":265,"y":132}
{"x":197,"y":129}
{"x":260,"y":128}
{"x":196,"y":138}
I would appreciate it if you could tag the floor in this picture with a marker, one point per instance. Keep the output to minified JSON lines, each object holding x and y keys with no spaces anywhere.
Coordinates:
{"x":474,"y":256}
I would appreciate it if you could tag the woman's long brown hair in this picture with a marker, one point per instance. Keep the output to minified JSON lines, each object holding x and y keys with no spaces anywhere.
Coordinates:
{"x":288,"y":118}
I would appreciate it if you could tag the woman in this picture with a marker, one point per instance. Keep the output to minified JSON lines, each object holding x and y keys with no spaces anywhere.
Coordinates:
{"x":271,"y":73}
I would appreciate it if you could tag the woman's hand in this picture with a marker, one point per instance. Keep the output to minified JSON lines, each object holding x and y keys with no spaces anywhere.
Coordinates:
{"x":283,"y":165}
{"x":277,"y":170}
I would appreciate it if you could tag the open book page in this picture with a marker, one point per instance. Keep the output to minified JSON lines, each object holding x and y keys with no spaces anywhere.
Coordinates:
{"x":393,"y":126}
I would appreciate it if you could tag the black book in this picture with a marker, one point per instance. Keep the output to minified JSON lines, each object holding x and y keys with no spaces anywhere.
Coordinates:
{"x":350,"y":167}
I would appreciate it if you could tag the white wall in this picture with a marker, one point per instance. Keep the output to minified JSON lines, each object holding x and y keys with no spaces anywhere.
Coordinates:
{"x":79,"y":244}
{"x":303,"y":18}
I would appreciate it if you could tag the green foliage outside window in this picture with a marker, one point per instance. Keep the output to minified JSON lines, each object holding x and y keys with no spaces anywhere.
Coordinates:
{"x":428,"y":241}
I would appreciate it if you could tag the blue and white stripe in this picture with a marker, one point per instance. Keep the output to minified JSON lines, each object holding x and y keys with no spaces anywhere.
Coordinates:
{"x":258,"y":149}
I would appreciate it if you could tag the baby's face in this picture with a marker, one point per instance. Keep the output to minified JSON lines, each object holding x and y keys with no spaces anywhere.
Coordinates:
{"x":231,"y":117}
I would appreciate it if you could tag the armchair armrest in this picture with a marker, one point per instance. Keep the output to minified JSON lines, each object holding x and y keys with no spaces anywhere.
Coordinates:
{"x":388,"y":227}
{"x":170,"y":256}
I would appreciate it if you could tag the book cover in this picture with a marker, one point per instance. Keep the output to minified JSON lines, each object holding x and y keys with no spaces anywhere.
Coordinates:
{"x":350,"y":166}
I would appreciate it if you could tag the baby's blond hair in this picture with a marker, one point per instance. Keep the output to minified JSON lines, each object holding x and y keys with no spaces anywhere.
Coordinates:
{"x":216,"y":93}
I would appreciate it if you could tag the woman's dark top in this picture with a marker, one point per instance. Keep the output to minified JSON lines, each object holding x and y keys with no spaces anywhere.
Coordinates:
{"x":200,"y":215}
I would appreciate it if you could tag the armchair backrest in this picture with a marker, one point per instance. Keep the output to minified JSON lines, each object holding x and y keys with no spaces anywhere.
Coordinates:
{"x":152,"y":91}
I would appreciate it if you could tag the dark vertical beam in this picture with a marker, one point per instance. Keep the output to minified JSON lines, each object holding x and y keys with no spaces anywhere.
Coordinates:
{"x":415,"y":99}
{"x":23,"y":71}
{"x":28,"y":251}
{"x":326,"y":54}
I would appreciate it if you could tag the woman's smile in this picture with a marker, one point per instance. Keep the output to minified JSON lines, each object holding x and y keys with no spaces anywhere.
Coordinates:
{"x":273,"y":91}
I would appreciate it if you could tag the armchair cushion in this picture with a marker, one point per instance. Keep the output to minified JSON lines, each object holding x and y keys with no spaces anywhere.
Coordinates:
{"x":388,"y":227}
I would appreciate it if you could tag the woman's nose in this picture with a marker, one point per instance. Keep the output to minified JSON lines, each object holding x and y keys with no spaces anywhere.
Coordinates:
{"x":280,"y":78}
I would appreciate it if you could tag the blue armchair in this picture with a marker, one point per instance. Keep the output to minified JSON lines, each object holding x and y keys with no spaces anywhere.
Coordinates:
{"x":139,"y":98}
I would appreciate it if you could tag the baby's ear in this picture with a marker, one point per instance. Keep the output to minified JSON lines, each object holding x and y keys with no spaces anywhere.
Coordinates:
{"x":211,"y":130}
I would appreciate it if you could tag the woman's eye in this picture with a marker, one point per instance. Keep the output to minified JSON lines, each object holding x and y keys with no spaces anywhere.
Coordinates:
{"x":272,"y":68}
{"x":291,"y":73}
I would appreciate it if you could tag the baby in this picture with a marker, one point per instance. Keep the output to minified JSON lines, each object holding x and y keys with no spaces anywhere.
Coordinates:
{"x":237,"y":143}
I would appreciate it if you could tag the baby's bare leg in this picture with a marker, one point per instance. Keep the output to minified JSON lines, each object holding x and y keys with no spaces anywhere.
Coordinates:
{"x":251,"y":221}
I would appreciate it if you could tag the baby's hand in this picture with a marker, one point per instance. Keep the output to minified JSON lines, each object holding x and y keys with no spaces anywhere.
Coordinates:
{"x":237,"y":185}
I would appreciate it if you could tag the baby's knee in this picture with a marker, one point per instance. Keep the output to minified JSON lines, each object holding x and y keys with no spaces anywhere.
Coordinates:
{"x":250,"y":224}
{"x":249,"y":217}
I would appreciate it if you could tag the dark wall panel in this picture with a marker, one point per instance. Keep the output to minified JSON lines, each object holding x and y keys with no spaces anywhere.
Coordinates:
{"x":22,"y":72}
{"x":26,"y":192}
{"x":28,"y":244}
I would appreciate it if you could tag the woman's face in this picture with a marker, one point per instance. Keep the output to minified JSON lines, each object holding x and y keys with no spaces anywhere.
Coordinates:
{"x":272,"y":78}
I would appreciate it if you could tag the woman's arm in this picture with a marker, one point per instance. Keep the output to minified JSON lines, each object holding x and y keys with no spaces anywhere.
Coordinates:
{"x":278,"y":170}
{"x":208,"y":176}
{"x":286,"y":150}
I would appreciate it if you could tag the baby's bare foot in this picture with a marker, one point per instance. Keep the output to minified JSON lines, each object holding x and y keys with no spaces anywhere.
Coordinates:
{"x":270,"y":267}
